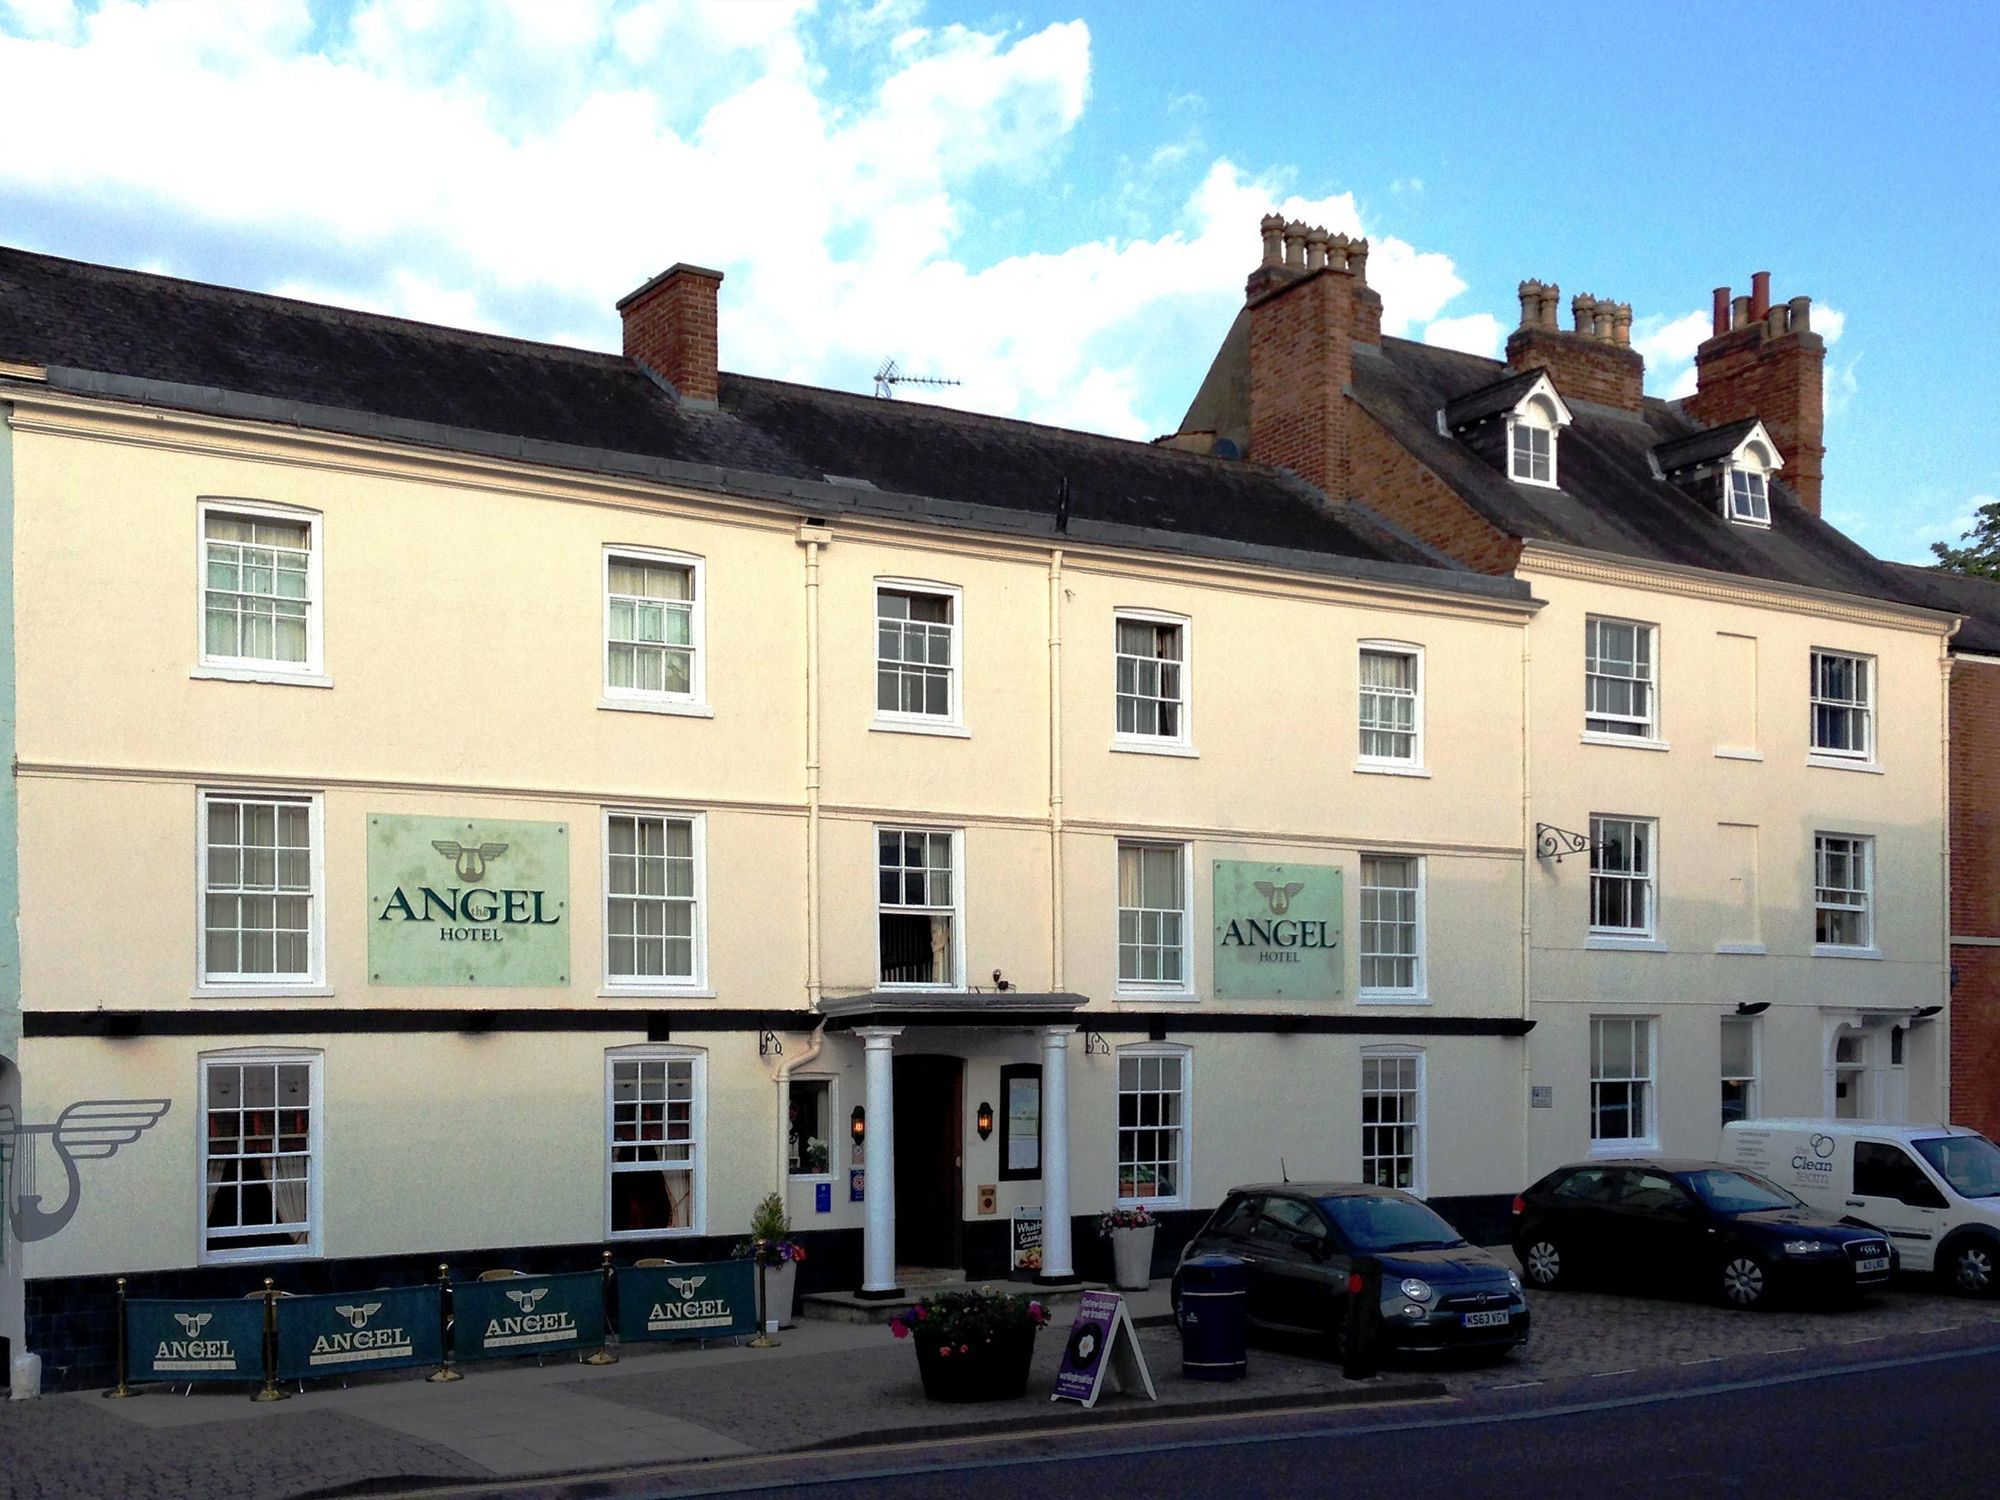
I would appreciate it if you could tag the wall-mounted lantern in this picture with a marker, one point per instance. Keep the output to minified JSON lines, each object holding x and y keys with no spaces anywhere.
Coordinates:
{"x":858,"y":1125}
{"x":984,"y":1120}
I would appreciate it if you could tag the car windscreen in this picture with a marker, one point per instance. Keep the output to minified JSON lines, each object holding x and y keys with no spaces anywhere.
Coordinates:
{"x":1740,"y":1193}
{"x":1374,"y":1225}
{"x":1970,"y":1163}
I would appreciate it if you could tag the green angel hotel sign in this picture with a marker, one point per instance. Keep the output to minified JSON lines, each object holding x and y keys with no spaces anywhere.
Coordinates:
{"x":467,"y":901}
{"x":1278,"y":933}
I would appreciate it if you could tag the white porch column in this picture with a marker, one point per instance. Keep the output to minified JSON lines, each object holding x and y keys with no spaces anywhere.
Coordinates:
{"x":878,"y":1164}
{"x":1056,"y":1262}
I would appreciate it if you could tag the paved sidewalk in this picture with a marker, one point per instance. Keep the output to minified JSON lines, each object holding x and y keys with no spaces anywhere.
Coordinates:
{"x":829,"y":1383}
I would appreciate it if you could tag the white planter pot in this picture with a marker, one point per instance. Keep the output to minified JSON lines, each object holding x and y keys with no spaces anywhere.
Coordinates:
{"x":779,"y":1282}
{"x":1132,"y":1258}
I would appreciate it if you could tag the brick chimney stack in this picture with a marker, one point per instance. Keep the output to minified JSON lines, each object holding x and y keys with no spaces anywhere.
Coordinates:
{"x":670,"y":328}
{"x":1763,"y":360}
{"x":1309,"y":303}
{"x":1595,"y":362}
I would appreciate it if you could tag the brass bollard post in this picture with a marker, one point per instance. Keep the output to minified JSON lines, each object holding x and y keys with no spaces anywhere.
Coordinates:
{"x":604,"y":1356}
{"x":444,"y":1371}
{"x":270,"y":1391}
{"x":121,"y":1390}
{"x":763,"y":1339}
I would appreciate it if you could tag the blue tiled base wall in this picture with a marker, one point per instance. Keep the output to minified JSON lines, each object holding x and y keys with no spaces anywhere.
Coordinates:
{"x":71,"y":1320}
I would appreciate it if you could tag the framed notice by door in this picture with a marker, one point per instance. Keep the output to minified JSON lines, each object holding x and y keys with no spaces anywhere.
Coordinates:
{"x":1020,"y":1122}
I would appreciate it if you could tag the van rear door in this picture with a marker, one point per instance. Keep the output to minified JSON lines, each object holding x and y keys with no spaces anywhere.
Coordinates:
{"x":1890,"y":1190}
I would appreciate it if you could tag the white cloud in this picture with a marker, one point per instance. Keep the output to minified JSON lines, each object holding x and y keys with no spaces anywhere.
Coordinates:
{"x":1829,"y":323}
{"x":521,"y":165}
{"x":1670,"y":341}
{"x":1477,"y":333}
{"x":1407,"y":185}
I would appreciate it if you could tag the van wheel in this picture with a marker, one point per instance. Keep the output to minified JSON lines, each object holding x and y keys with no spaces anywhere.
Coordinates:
{"x":1542,"y":1263}
{"x":1974,"y":1267}
{"x":1745,"y":1282}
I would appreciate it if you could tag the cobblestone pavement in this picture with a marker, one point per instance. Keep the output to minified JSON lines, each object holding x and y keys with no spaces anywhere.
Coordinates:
{"x":830,"y":1382}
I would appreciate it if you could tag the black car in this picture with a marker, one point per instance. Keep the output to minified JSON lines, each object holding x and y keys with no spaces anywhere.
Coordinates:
{"x":1302,"y":1242}
{"x":1691,"y":1226}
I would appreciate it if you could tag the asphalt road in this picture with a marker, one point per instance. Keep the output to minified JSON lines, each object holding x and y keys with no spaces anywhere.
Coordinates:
{"x":1911,"y":1420}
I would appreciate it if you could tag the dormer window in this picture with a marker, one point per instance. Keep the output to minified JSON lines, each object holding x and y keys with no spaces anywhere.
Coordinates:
{"x":1531,"y":439}
{"x":1727,"y":468}
{"x":1748,"y":491}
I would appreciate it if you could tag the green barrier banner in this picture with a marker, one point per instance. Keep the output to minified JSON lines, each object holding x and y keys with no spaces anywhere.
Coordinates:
{"x":180,"y":1341}
{"x":527,"y":1315}
{"x":346,"y":1332}
{"x":711,"y":1300}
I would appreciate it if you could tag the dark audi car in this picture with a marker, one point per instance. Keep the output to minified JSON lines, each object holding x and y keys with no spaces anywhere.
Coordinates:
{"x":1691,"y":1227}
{"x":1301,"y":1241}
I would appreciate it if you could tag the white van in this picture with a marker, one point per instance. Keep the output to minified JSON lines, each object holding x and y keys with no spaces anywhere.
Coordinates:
{"x":1935,"y":1189}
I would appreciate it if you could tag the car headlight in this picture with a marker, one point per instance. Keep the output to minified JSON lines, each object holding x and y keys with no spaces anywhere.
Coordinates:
{"x":1514,"y":1282}
{"x":1810,"y":1247}
{"x":1417,"y":1291}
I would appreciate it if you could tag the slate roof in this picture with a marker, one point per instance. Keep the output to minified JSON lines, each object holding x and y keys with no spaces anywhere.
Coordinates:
{"x":1609,"y":501}
{"x":170,"y":342}
{"x":1703,"y":447}
{"x":1978,"y":599}
{"x":1490,"y":400}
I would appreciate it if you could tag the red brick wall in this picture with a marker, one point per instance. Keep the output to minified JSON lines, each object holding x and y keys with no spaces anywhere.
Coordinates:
{"x":1975,"y":894}
{"x":670,"y":328}
{"x":1392,"y":480}
{"x":1749,"y":373}
{"x":1301,"y":359}
{"x":1583,"y":368}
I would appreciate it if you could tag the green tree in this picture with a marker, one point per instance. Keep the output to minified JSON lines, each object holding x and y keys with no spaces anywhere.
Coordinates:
{"x":1979,"y":549}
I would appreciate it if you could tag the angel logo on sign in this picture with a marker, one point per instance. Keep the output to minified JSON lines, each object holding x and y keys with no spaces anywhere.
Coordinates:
{"x":194,"y":1353}
{"x":688,"y":1310}
{"x":89,"y":1130}
{"x":529,"y":1326}
{"x":361,"y":1343}
{"x":470,"y":913}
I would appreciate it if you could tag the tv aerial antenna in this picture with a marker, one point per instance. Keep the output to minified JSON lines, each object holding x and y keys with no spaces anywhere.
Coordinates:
{"x":890,"y":376}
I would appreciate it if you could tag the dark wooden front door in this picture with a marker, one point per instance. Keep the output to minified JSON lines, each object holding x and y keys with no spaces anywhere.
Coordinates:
{"x":930,"y":1100}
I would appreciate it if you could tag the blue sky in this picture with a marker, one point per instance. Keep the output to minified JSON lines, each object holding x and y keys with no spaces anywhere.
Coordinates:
{"x":1058,"y":204}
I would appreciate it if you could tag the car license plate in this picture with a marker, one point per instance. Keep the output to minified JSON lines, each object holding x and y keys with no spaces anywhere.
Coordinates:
{"x":1486,"y":1320}
{"x":1879,"y":1263}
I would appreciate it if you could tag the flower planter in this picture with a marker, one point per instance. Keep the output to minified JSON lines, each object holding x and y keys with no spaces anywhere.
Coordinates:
{"x":779,"y":1283}
{"x":1132,"y":1258}
{"x":993,"y":1370}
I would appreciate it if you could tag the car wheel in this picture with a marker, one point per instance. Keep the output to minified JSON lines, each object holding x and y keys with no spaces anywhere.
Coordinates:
{"x":1974,"y":1267}
{"x":1745,"y":1282}
{"x":1542,"y":1263}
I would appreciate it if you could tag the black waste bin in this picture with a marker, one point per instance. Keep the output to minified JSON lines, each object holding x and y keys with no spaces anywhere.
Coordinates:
{"x":1214,"y":1318}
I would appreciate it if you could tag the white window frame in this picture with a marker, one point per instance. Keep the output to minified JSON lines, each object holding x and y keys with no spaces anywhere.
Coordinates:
{"x":693,"y":703}
{"x":1753,"y":1081}
{"x":1644,"y":731}
{"x":1156,"y":744}
{"x":1151,"y":989}
{"x":834,"y":1133}
{"x":1818,"y":754}
{"x":314,"y":979}
{"x":1752,"y":507}
{"x":897,"y":721}
{"x":1863,"y":846}
{"x":1540,"y":410}
{"x":636,"y":985}
{"x":314,"y":1061}
{"x":1650,"y":1080}
{"x":1413,"y":763}
{"x":1418,"y":992}
{"x":1649,"y":878}
{"x":1142,"y":1050}
{"x":1419,"y":1161}
{"x":312,"y":671}
{"x":697,"y":1125}
{"x":957,"y":907}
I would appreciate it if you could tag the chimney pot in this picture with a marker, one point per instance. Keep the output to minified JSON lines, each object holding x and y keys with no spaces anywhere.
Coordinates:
{"x":1583,"y":310}
{"x":1621,"y":326}
{"x":1295,"y":245}
{"x":1760,"y":294}
{"x":1357,"y":259}
{"x":1721,"y":311}
{"x":1801,"y":315}
{"x":1531,"y":303}
{"x":1551,"y":307}
{"x":1739,"y":313}
{"x":1315,"y":249}
{"x":1604,"y":320}
{"x":1273,"y":230}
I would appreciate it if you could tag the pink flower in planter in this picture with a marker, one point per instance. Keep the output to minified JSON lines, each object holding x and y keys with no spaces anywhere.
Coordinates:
{"x":943,"y":1350}
{"x":923,"y":1312}
{"x":898,"y":1327}
{"x":965,"y":1348}
{"x":1038,"y":1313}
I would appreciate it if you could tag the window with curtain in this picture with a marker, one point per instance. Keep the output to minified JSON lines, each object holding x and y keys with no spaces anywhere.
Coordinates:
{"x":917,"y":911}
{"x":1621,"y":1080}
{"x":1843,"y":705}
{"x":1150,"y":681}
{"x":1392,"y":960}
{"x":257,"y":590}
{"x":260,"y":1141}
{"x":1739,"y":1068}
{"x":1391,"y":1109}
{"x":656,"y":1109}
{"x":1152,"y":1126}
{"x":1619,"y":678}
{"x":650,"y":918}
{"x":1621,"y":876}
{"x":916,"y":660}
{"x":260,"y":908}
{"x":1843,"y":914}
{"x":1152,"y":920}
{"x":651,"y":628}
{"x":1390,"y":705}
